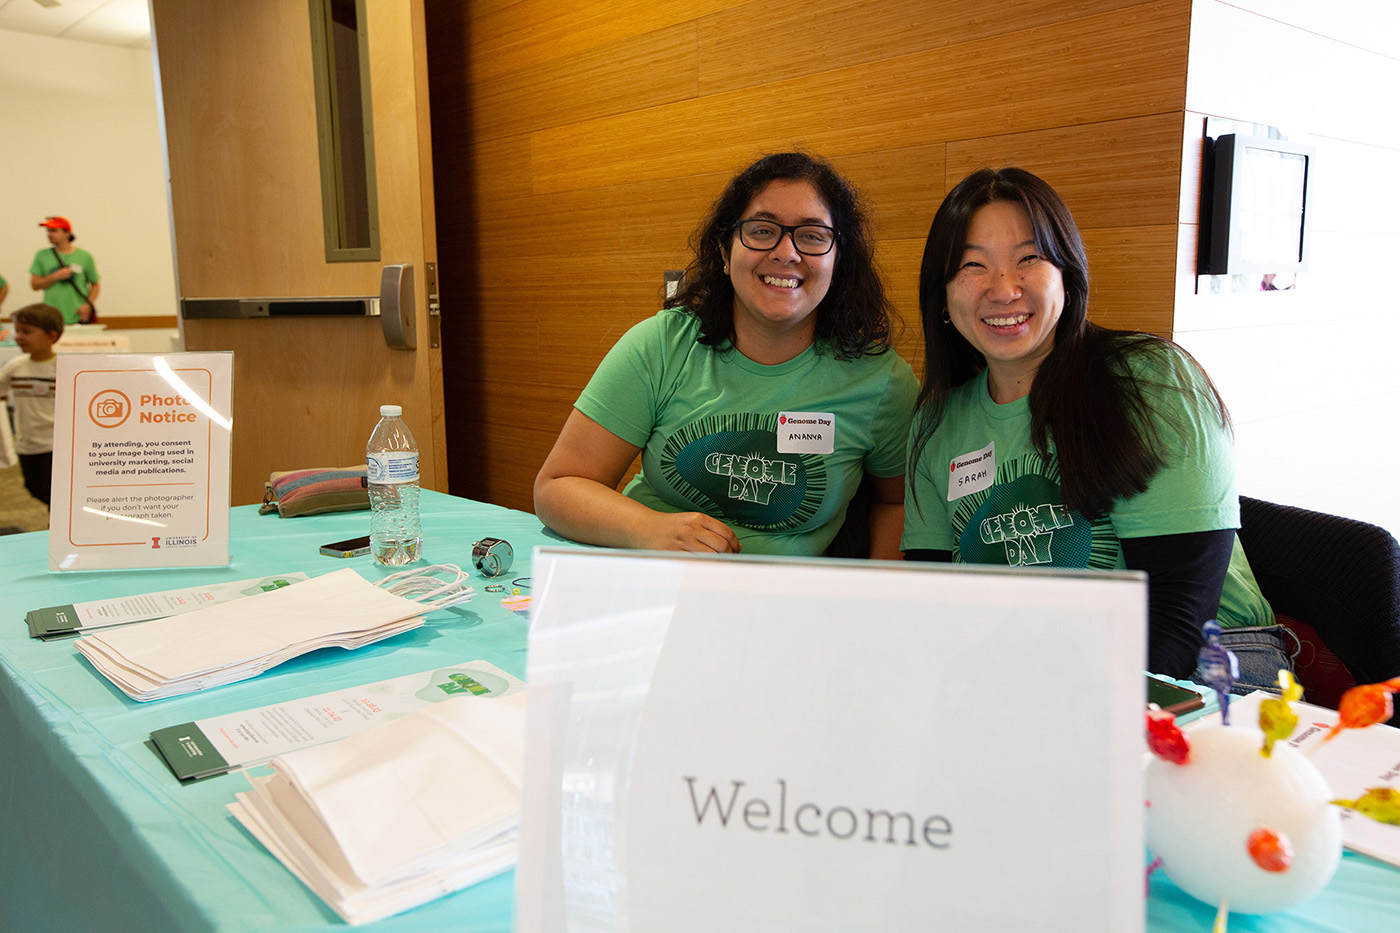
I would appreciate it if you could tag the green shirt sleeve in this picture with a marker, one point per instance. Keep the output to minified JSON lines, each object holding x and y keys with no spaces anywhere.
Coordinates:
{"x":1195,"y":489}
{"x":926,"y":522}
{"x":891,"y":428}
{"x":622,"y":395}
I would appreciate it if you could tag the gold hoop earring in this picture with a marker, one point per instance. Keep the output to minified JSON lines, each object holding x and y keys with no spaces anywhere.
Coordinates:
{"x":726,"y":268}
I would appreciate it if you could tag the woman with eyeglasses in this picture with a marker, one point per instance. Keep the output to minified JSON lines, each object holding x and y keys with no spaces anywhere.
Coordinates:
{"x":1044,"y":440}
{"x":758,"y":397}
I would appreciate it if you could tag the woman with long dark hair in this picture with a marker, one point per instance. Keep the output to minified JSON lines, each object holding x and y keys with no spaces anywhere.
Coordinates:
{"x":758,"y":398}
{"x":1042,"y":439}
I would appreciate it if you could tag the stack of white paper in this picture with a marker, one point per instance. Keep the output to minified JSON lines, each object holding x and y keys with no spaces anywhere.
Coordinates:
{"x":233,"y":641}
{"x":400,"y":814}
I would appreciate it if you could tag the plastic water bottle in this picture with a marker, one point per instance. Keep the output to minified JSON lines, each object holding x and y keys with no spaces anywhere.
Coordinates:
{"x":391,"y":465}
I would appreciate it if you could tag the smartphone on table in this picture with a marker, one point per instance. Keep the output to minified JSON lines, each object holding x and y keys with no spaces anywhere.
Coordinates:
{"x":351,"y":547}
{"x":1171,"y":697}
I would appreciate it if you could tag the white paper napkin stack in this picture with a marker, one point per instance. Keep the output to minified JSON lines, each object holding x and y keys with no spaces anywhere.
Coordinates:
{"x":400,"y":814}
{"x":233,"y":641}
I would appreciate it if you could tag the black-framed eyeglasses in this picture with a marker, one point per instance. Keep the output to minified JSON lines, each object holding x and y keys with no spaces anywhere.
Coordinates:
{"x":808,"y":239}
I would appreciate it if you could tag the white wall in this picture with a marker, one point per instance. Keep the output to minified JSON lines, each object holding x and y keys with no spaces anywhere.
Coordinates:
{"x":1309,"y":375}
{"x":82,"y":140}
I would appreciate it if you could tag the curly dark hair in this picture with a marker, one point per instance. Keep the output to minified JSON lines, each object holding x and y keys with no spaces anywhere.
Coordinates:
{"x":1085,"y":396}
{"x":853,"y":318}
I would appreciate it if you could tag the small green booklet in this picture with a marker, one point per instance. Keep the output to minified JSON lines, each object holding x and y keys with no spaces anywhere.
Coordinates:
{"x":61,"y":621}
{"x":194,"y":750}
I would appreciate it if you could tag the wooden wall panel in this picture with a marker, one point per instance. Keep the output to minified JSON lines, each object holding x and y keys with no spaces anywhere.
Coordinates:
{"x":1142,"y":186}
{"x":902,"y":187}
{"x":552,"y":93}
{"x":577,"y":148}
{"x":1132,"y":277}
{"x":834,"y":34}
{"x":1113,"y":65}
{"x":899,"y":262}
{"x":509,"y":37}
{"x":484,"y":171}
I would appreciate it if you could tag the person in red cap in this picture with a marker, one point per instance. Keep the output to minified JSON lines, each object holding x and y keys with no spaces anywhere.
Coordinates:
{"x":65,"y":274}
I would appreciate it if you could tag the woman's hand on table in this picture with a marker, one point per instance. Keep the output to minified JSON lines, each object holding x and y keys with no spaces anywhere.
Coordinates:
{"x":686,"y":531}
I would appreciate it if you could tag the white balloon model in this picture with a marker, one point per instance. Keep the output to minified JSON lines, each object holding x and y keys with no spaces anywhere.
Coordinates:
{"x":1239,"y":821}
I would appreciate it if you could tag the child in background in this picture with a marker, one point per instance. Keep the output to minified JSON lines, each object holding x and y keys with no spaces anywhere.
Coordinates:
{"x":29,"y":382}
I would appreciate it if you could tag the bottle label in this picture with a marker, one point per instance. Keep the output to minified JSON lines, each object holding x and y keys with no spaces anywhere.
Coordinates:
{"x":392,"y":466}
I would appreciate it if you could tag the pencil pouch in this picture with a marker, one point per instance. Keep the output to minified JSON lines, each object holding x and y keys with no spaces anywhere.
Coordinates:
{"x":315,"y":491}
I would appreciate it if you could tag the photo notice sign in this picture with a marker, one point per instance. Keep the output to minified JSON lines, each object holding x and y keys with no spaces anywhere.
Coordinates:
{"x":141,"y":461}
{"x":759,"y":744}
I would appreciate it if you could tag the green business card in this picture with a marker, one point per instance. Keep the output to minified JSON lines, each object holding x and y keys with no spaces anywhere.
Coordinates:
{"x":188,"y":752}
{"x":52,"y":621}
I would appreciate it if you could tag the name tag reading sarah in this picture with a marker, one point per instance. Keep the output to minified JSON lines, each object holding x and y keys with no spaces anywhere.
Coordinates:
{"x":972,"y":472}
{"x":806,"y":432}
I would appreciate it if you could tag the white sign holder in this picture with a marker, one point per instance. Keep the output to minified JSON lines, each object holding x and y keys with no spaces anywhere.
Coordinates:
{"x":141,"y":461}
{"x":758,"y":744}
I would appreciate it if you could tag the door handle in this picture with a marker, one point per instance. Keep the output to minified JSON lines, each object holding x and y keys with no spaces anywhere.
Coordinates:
{"x":396,"y":306}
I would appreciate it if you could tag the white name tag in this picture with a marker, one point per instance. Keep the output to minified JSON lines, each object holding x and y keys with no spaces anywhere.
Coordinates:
{"x":806,"y":432}
{"x":972,"y":472}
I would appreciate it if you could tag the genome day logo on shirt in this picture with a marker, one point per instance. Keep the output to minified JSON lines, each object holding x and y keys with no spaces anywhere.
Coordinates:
{"x":730,"y":465}
{"x":1021,"y":521}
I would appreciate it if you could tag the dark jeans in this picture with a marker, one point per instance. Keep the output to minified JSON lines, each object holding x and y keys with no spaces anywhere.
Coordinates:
{"x":1261,"y":652}
{"x":38,"y":474}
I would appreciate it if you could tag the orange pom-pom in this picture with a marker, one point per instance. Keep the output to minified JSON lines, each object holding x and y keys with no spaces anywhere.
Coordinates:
{"x":1270,"y":850}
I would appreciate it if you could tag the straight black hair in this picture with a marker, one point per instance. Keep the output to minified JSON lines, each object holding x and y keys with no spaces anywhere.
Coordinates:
{"x":1085,"y":396}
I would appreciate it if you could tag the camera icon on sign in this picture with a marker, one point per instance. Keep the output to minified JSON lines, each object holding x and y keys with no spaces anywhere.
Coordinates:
{"x":109,"y":408}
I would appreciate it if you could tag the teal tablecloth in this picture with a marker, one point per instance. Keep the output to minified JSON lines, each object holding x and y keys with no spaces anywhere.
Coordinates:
{"x":95,"y":833}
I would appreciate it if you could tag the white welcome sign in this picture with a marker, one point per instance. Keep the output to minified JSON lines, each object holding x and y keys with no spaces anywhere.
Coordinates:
{"x":141,"y":461}
{"x":751,"y":744}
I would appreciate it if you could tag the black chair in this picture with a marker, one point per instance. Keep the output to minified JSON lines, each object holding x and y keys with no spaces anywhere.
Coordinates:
{"x":1338,"y":575}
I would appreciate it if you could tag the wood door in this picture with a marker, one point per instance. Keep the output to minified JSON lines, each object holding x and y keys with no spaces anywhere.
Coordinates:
{"x":237,"y":88}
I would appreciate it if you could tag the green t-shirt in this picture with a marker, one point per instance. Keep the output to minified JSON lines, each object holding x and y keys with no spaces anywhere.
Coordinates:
{"x":986,"y":495}
{"x":62,"y":295}
{"x":729,"y":437}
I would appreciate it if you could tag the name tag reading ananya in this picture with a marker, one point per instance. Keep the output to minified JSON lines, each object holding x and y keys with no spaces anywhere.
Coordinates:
{"x":972,"y":472}
{"x":806,"y":432}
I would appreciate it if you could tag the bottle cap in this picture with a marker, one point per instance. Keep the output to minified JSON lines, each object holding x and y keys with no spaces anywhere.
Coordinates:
{"x":390,"y":411}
